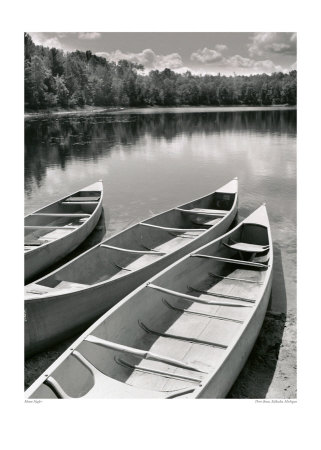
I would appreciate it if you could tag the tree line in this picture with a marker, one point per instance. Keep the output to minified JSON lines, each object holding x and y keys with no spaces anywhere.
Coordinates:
{"x":69,"y":79}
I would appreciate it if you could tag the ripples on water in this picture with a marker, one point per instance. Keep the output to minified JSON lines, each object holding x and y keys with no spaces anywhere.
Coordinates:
{"x":151,"y":162}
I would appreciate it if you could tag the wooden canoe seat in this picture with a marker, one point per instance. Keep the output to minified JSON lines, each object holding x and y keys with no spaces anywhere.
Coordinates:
{"x":82,"y":199}
{"x":246,"y":247}
{"x":202,"y":211}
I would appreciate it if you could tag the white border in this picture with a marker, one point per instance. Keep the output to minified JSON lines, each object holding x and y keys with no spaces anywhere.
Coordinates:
{"x":159,"y":425}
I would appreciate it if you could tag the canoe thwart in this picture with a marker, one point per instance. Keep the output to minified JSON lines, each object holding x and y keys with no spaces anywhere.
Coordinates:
{"x":180,"y":230}
{"x":82,"y":199}
{"x":126,"y":250}
{"x":204,"y":212}
{"x":144,"y":354}
{"x":79,"y":203}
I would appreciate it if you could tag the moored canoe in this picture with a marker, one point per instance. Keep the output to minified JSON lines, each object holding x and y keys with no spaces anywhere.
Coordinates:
{"x":70,"y":298}
{"x":55,"y":230}
{"x":186,"y":333}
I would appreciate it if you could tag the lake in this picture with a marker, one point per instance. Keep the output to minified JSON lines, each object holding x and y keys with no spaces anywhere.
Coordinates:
{"x":153,"y":159}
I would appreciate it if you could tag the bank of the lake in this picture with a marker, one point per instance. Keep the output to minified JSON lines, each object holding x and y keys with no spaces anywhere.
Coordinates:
{"x":87,"y":109}
{"x":58,"y":111}
{"x":152,"y":159}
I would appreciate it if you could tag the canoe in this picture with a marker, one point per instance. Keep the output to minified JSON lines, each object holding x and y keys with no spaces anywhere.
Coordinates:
{"x":69,"y":299}
{"x":55,"y":230}
{"x":186,"y":333}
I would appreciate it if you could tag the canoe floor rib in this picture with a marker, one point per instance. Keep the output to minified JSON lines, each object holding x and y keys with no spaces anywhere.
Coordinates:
{"x":142,"y":252}
{"x":232,"y":261}
{"x":192,"y":298}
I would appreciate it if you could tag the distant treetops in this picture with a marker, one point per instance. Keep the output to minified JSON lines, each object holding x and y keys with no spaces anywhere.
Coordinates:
{"x":69,"y":79}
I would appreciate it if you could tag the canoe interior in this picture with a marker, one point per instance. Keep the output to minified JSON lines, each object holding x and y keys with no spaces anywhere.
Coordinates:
{"x":194,"y":333}
{"x":102,"y":263}
{"x":35,"y":237}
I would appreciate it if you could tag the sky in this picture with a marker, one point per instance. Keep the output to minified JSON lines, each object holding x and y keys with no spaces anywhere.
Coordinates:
{"x":200,"y":53}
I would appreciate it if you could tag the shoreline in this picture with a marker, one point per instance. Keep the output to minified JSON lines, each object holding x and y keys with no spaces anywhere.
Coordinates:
{"x":51,"y":112}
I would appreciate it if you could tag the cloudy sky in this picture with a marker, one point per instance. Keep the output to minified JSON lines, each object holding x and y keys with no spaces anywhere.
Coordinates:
{"x":227,"y":53}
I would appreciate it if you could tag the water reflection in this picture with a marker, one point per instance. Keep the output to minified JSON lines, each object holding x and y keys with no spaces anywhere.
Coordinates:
{"x":57,"y":142}
{"x":152,"y":162}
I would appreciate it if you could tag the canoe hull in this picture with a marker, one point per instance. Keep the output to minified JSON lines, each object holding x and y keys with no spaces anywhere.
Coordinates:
{"x":41,"y":258}
{"x":45,"y":256}
{"x":221,"y":383}
{"x":51,"y":319}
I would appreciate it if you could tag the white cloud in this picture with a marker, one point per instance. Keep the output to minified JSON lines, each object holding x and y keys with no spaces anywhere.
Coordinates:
{"x":43,"y":39}
{"x":89,"y":36}
{"x":293,"y":66}
{"x":221,"y":47}
{"x":269,"y":43}
{"x":238,"y":62}
{"x":148,"y":58}
{"x":207,"y":56}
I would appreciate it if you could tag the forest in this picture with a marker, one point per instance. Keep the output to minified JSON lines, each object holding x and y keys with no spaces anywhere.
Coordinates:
{"x":54,"y":78}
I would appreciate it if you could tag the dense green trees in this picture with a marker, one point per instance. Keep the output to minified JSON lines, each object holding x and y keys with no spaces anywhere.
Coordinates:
{"x":56,"y":78}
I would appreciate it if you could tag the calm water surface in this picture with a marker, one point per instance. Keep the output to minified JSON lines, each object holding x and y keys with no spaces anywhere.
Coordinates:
{"x":151,"y":161}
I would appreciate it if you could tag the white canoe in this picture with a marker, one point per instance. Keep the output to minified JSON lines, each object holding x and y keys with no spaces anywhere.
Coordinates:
{"x":55,"y":230}
{"x":186,"y":333}
{"x":72,"y":297}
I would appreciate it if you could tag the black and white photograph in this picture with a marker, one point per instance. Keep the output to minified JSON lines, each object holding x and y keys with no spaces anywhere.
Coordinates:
{"x":160,"y":227}
{"x":167,"y":191}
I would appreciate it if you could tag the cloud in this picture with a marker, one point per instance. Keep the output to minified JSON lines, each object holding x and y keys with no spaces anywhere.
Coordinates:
{"x":89,"y":36}
{"x":208,"y":56}
{"x":272,"y":43}
{"x":43,"y":39}
{"x":221,"y":47}
{"x":148,"y":58}
{"x":238,"y":62}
